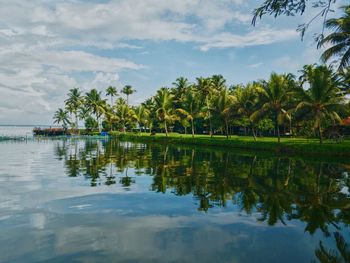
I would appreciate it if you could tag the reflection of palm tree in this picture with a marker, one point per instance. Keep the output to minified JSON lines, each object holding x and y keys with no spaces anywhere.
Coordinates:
{"x":331,"y":255}
{"x":315,"y":206}
{"x":126,"y":181}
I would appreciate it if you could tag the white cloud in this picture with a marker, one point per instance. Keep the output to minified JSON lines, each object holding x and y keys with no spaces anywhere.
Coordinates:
{"x":45,"y":44}
{"x":255,"y":65}
{"x":253,"y":38}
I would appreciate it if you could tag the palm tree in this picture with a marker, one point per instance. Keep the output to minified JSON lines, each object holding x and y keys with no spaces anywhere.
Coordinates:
{"x":180,"y":86}
{"x":142,"y":116}
{"x":73,"y":103}
{"x":61,"y":116}
{"x":96,"y":104}
{"x":247,"y":101}
{"x":190,"y":106}
{"x":223,"y":103}
{"x":111,"y":91}
{"x":164,"y":107}
{"x":274,"y":95}
{"x":340,"y":39}
{"x":110,"y":117}
{"x":127,"y":90}
{"x":204,"y":86}
{"x":344,"y":80}
{"x":218,"y":82}
{"x":323,"y":99}
{"x":124,"y":115}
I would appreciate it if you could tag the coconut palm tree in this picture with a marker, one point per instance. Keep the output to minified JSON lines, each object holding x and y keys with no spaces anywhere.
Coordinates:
{"x":339,"y":39}
{"x":96,"y":104}
{"x":142,"y":116}
{"x":164,"y":100}
{"x":274,"y":98}
{"x":247,"y":101}
{"x":180,"y":86}
{"x":190,"y":106}
{"x":344,"y":80}
{"x":323,"y":99}
{"x":124,"y":115}
{"x":223,"y":104}
{"x":110,"y":117}
{"x":205,"y":88}
{"x":112,"y":92}
{"x":218,"y":82}
{"x":127,"y":90}
{"x":73,"y":104}
{"x":61,"y":116}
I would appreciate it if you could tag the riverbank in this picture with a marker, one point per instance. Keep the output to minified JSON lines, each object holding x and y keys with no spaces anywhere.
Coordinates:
{"x":290,"y":146}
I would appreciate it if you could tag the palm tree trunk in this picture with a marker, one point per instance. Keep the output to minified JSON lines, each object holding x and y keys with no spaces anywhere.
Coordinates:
{"x":210,"y":124}
{"x":320,"y":133}
{"x":226,"y":124}
{"x":166,"y":129}
{"x":254,"y":134}
{"x":192,"y":122}
{"x":277,"y":127}
{"x":98,"y":123}
{"x":76,"y":123}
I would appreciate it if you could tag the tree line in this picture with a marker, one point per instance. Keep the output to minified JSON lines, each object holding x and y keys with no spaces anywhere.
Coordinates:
{"x":282,"y":104}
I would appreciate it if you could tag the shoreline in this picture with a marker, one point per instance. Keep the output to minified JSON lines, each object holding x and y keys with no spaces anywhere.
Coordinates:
{"x":287,"y":146}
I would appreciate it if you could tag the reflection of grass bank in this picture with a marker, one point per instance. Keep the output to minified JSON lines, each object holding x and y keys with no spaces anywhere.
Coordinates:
{"x":287,"y":145}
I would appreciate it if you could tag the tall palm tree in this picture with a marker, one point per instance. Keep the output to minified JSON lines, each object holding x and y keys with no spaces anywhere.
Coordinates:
{"x":96,"y":104}
{"x":180,"y":86}
{"x":274,"y":95}
{"x":218,"y":82}
{"x":164,"y":100}
{"x":247,"y":101}
{"x":61,"y":116}
{"x":205,"y":87}
{"x":142,"y":116}
{"x":124,"y":115}
{"x":323,"y":99}
{"x":73,"y":104}
{"x":128,"y":90}
{"x":344,"y":80}
{"x":190,"y":106}
{"x":339,"y":39}
{"x":112,"y":92}
{"x":223,"y":103}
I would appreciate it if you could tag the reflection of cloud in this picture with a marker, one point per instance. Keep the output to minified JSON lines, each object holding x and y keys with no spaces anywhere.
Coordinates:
{"x":38,"y":220}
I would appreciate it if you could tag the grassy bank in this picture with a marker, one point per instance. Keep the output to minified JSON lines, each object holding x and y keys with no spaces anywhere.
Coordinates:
{"x":290,"y":146}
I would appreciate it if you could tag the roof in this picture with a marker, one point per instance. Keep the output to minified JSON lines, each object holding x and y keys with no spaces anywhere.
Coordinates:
{"x":346,"y":121}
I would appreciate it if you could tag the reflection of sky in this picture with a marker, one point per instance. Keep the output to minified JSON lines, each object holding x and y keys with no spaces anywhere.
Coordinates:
{"x":168,"y":229}
{"x":47,"y":215}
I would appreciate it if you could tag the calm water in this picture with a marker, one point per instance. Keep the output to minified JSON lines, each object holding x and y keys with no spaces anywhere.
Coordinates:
{"x":111,"y":201}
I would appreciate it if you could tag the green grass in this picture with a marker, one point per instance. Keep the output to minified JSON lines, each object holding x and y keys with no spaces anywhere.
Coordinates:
{"x":290,"y":146}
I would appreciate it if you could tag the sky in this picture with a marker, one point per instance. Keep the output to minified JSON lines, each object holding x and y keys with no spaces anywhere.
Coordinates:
{"x":51,"y":46}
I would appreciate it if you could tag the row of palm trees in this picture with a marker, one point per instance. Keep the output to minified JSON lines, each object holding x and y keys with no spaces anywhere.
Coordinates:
{"x":316,"y":99}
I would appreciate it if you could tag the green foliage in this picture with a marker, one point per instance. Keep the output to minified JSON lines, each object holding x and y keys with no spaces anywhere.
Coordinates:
{"x":90,"y":123}
{"x":265,"y":125}
{"x":208,"y":106}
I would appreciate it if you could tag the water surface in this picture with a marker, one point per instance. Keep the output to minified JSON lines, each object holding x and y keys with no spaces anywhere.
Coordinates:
{"x":112,"y":201}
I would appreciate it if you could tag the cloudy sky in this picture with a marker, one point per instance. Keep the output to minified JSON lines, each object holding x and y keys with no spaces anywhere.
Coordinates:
{"x":50,"y":46}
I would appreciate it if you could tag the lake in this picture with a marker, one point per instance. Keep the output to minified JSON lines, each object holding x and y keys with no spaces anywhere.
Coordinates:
{"x":113,"y":201}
